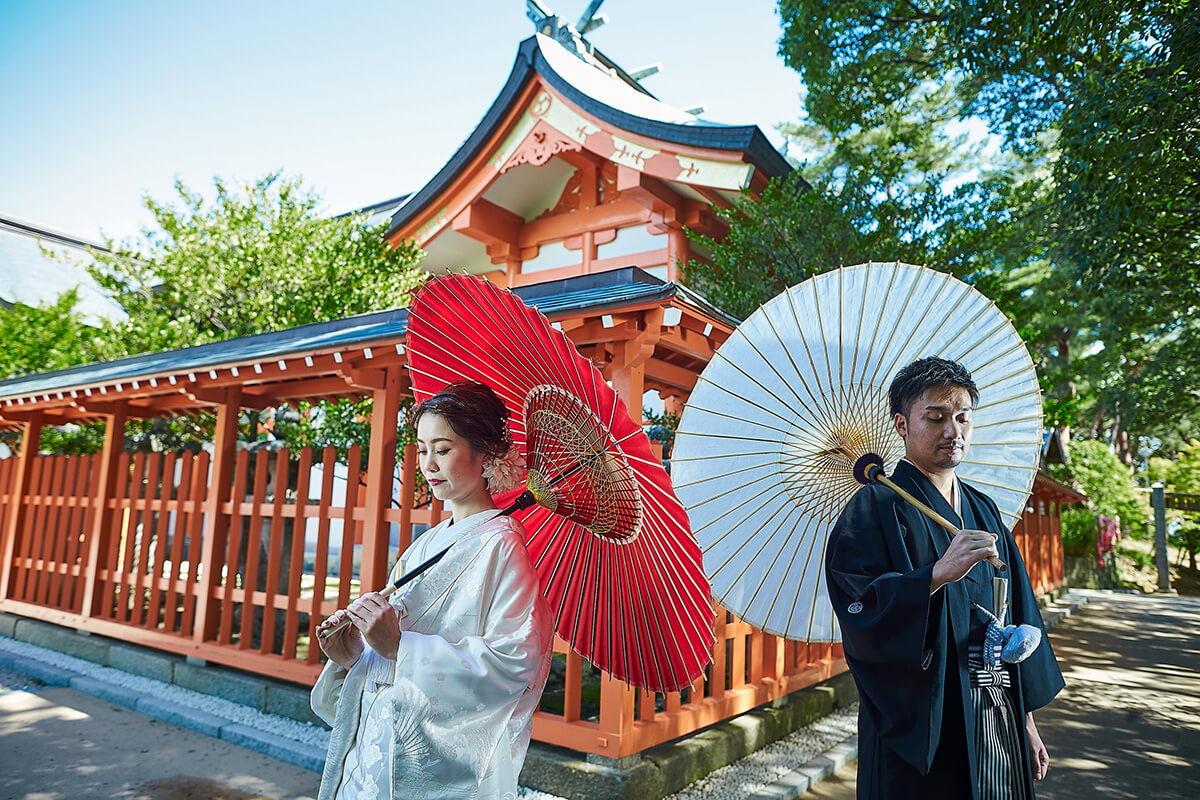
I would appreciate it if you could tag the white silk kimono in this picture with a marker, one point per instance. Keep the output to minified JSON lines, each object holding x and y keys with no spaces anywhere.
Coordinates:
{"x":452,"y":715}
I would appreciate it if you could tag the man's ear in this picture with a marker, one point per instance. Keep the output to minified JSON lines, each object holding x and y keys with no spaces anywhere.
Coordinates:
{"x":901,"y":423}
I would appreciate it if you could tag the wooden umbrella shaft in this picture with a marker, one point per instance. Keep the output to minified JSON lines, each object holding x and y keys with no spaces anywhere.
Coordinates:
{"x":878,"y":475}
{"x":417,"y":571}
{"x":524,"y":500}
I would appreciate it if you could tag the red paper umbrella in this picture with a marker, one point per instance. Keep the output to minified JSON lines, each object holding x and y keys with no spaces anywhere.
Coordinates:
{"x":611,"y":542}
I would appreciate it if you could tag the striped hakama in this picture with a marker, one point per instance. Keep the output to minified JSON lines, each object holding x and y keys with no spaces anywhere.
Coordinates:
{"x":999,"y":737}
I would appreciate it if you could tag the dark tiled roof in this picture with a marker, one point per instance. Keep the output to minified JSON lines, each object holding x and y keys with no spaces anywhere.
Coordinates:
{"x":594,"y":293}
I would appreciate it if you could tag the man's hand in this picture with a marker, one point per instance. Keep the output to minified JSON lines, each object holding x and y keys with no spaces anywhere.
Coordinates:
{"x":966,"y":549}
{"x":343,"y":647}
{"x":1038,"y":754}
{"x":376,"y":618}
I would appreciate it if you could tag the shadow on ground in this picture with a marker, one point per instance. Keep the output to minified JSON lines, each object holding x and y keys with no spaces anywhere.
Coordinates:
{"x":185,"y":787}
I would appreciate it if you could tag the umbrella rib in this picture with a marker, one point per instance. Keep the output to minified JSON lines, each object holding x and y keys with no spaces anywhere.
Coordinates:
{"x":531,"y":365}
{"x":799,"y":400}
{"x":742,"y":419}
{"x":735,"y":527}
{"x":779,"y":552}
{"x":892,"y":334}
{"x":862,"y":312}
{"x":803,"y":572}
{"x":1024,"y":369}
{"x":821,"y":328}
{"x":964,"y":328}
{"x":887,"y":298}
{"x":712,"y":498}
{"x":808,"y":524}
{"x":690,"y":484}
{"x":787,"y":352}
{"x":1000,"y":328}
{"x":966,"y":292}
{"x":807,"y":351}
{"x":1005,"y":421}
{"x":995,"y":464}
{"x":664,"y":562}
{"x":748,"y":401}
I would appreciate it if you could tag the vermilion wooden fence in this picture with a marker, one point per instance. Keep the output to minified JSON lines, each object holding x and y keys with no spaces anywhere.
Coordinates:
{"x":243,"y":580}
{"x":1039,"y":537}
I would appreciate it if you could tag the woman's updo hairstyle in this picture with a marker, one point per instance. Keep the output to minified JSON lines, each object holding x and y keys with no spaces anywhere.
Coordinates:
{"x":474,"y":412}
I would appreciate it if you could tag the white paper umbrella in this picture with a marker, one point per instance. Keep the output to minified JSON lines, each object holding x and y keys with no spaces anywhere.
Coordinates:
{"x":807,"y":374}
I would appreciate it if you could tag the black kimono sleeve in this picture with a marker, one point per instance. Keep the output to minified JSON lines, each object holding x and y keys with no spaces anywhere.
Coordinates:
{"x":892,"y":631}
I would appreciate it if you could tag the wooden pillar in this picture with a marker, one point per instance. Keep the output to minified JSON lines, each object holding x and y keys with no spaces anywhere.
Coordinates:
{"x":216,"y":521}
{"x":31,"y":439}
{"x":616,"y":715}
{"x":628,"y":379}
{"x":408,"y":492}
{"x":677,"y":252}
{"x":101,"y":530}
{"x":373,"y":571}
{"x":629,"y":362}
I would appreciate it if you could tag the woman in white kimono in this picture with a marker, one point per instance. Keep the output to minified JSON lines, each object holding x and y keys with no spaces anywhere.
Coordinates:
{"x":431,"y":693}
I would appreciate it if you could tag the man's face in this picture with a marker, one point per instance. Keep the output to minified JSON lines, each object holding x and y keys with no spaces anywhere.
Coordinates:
{"x":937,"y":430}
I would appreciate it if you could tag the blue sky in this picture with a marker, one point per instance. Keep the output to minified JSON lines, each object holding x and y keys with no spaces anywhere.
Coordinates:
{"x":105,"y":102}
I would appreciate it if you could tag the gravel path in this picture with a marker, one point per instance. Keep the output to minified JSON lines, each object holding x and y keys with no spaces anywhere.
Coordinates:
{"x":765,"y":766}
{"x":16,"y":682}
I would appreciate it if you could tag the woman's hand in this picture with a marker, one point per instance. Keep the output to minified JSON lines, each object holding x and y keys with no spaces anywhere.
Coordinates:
{"x":376,"y":618}
{"x":343,"y":647}
{"x":1038,"y":754}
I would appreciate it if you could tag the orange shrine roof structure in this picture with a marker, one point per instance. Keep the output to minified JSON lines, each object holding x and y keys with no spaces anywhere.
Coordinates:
{"x":576,"y":169}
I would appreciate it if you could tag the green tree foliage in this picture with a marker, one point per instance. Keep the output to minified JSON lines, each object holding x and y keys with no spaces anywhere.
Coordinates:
{"x":47,"y":336}
{"x":1183,"y":475}
{"x":257,"y":260}
{"x":1108,"y":484}
{"x":1082,"y":225}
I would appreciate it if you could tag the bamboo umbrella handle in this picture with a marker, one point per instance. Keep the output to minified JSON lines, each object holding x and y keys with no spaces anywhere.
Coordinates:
{"x":330,"y":631}
{"x":929,"y":512}
{"x":525,"y":500}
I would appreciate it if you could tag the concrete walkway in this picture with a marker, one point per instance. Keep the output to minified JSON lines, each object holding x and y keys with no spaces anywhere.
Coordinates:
{"x":59,"y":743}
{"x":1128,"y":723}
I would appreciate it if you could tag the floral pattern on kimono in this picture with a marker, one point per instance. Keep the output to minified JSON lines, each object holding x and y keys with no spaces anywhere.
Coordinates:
{"x":472,"y":662}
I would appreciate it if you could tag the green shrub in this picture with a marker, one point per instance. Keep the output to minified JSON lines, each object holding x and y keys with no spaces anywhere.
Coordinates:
{"x":1079,"y":528}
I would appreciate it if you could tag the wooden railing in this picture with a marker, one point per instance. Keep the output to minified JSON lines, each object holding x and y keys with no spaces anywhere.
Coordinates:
{"x":244,"y":581}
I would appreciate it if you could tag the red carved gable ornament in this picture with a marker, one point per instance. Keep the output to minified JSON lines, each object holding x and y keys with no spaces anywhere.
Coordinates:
{"x":542,"y":142}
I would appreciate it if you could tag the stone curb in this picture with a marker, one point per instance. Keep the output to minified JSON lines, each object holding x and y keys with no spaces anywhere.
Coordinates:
{"x":191,"y":718}
{"x":47,"y":674}
{"x":800,"y":780}
{"x":282,"y":748}
{"x":120,"y":695}
{"x":301,"y":755}
{"x":668,"y":768}
{"x":259,"y":693}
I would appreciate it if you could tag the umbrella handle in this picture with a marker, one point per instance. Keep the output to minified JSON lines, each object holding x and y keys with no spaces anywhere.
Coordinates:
{"x":877,"y":474}
{"x":523,"y":501}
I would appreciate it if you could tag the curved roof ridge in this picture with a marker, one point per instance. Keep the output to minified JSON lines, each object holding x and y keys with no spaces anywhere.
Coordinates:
{"x":665,"y":122}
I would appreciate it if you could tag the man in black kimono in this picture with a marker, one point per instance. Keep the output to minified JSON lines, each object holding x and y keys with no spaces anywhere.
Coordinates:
{"x":935,"y":721}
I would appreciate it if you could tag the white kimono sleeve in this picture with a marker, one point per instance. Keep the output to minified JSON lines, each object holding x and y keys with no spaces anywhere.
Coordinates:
{"x":453,"y":695}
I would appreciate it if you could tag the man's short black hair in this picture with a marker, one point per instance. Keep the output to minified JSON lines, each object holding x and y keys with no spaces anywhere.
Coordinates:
{"x":912,"y":381}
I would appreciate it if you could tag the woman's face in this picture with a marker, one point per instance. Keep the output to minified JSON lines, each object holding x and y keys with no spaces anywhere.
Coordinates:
{"x":452,"y":468}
